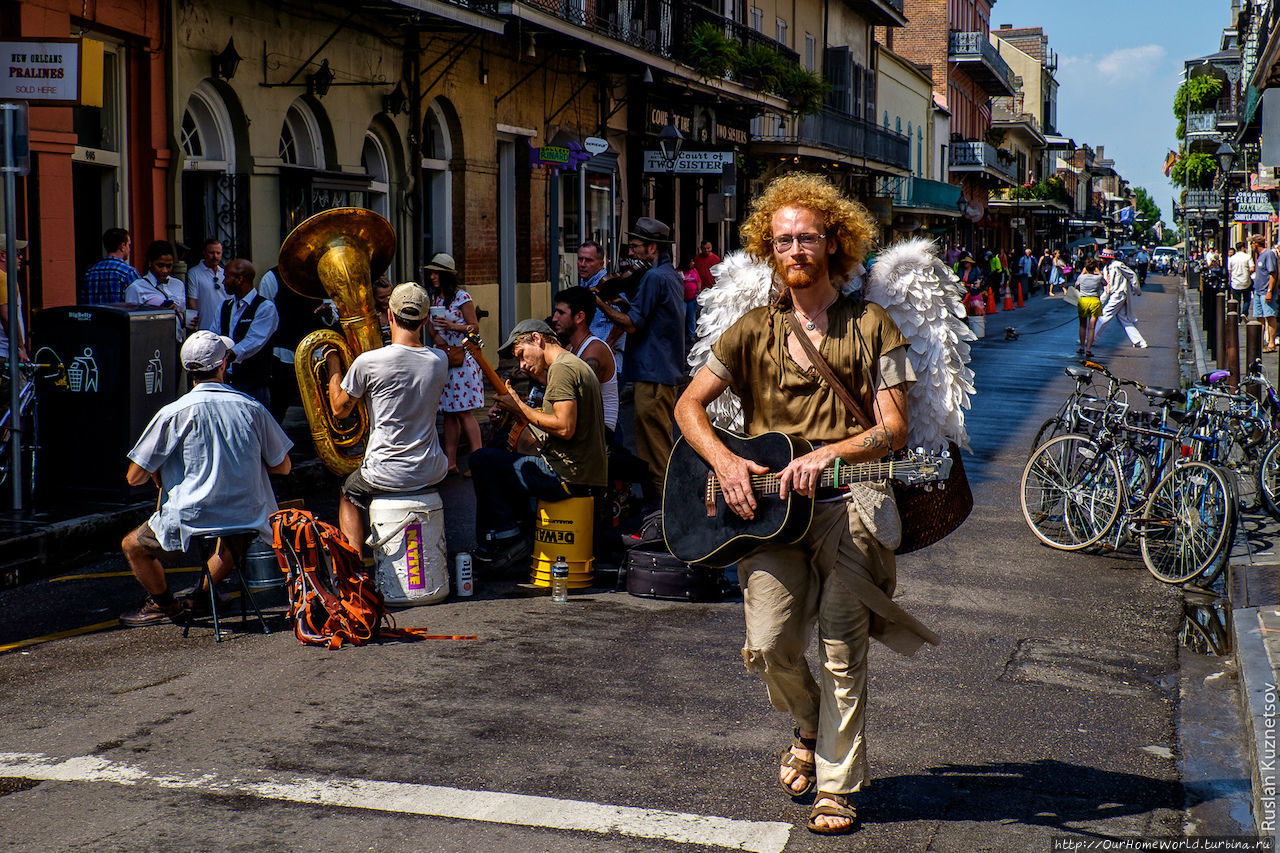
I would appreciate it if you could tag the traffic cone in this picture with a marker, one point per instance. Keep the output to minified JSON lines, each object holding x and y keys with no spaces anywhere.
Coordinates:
{"x":1008,"y":299}
{"x":1020,"y":302}
{"x":991,"y":302}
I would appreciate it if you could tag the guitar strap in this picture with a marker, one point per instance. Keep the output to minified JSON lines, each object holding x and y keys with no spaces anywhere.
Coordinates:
{"x":824,"y":370}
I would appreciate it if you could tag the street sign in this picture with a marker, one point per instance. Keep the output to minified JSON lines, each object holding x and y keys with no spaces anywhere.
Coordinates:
{"x":595,"y":145}
{"x":689,"y":162}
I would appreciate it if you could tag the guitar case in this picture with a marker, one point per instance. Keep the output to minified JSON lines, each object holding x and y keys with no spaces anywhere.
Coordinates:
{"x":652,"y":572}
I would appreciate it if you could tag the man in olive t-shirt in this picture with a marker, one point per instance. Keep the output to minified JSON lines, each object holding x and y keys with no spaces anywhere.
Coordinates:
{"x":561,"y":454}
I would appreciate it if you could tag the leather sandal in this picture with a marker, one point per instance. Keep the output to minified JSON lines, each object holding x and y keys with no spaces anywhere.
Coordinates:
{"x":807,"y":769}
{"x":843,"y":808}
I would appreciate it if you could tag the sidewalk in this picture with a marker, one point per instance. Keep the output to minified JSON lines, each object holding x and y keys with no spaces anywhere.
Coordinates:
{"x":1254,"y":594}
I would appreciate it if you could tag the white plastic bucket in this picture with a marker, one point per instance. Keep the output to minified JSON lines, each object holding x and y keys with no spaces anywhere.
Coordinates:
{"x":407,"y":536}
{"x":978,"y":325}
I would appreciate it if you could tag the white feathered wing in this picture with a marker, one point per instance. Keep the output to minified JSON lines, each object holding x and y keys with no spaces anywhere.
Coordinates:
{"x":918,"y":292}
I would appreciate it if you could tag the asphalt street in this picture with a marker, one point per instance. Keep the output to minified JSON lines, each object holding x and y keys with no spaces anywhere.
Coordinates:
{"x":613,"y":723}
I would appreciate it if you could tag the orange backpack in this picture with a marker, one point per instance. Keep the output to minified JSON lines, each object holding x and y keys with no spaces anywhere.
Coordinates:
{"x":332,"y":600}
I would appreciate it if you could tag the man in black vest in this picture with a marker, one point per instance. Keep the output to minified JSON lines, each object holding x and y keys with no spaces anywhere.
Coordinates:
{"x":249,"y":319}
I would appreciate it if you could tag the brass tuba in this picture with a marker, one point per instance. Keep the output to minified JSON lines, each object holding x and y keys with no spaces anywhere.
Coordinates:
{"x":337,"y":254}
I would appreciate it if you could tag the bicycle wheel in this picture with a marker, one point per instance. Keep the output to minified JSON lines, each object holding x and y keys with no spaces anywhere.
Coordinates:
{"x":1051,"y":428}
{"x":1269,"y":479}
{"x":1187,"y":522}
{"x":1235,"y":457}
{"x":1071,"y":492}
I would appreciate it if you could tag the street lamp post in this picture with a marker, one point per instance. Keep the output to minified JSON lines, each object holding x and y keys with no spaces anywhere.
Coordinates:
{"x":1228,"y":337}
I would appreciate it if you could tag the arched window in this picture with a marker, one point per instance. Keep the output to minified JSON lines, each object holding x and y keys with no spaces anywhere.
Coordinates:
{"x":437,"y":184}
{"x":214,"y":198}
{"x":373,"y":159}
{"x":205,"y":132}
{"x":300,"y":138}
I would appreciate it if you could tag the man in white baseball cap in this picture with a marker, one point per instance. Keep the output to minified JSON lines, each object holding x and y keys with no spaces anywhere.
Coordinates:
{"x":209,"y":452}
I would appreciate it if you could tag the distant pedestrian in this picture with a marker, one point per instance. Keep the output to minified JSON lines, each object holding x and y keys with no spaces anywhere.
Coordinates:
{"x":1240,"y":271}
{"x":1121,"y":286}
{"x":1263,"y":302}
{"x":1044,"y":269}
{"x":1026,"y":271}
{"x":159,"y":289}
{"x":250,"y":320}
{"x":106,"y":280}
{"x":453,"y":316}
{"x":1089,"y":308}
{"x":205,"y":289}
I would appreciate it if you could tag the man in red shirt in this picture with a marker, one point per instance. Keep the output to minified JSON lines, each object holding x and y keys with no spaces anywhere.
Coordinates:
{"x":703,"y":261}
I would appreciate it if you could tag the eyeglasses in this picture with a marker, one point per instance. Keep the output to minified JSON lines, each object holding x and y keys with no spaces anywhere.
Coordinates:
{"x":783,"y":242}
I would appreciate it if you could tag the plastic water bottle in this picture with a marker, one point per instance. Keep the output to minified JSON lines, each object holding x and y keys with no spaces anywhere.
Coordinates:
{"x":560,"y":580}
{"x":463,"y":566}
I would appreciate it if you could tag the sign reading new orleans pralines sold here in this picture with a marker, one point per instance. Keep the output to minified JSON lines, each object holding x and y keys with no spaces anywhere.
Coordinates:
{"x":40,"y":70}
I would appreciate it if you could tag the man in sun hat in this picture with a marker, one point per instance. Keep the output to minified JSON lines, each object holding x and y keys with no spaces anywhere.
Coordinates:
{"x":1121,"y":286}
{"x":655,"y":323}
{"x":209,"y":453}
{"x":401,"y":383}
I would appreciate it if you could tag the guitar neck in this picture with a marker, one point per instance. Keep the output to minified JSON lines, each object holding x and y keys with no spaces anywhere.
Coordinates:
{"x":490,"y":374}
{"x":837,"y":476}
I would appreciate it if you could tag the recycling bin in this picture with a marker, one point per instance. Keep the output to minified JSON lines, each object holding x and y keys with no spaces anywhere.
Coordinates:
{"x":121,"y":367}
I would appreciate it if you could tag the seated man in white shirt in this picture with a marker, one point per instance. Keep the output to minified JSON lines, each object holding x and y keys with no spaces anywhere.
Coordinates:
{"x":250,"y":320}
{"x":209,"y":452}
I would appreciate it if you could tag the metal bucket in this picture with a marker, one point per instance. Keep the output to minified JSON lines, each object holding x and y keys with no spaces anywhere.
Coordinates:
{"x":262,"y":574}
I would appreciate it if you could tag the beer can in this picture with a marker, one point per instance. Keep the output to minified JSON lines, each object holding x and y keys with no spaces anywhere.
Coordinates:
{"x":464,"y":584}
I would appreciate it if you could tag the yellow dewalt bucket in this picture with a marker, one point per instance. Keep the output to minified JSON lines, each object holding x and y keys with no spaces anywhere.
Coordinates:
{"x":564,"y":529}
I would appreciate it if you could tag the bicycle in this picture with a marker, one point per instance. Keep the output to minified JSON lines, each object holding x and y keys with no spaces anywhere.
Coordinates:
{"x":30,"y":375}
{"x":1074,"y":492}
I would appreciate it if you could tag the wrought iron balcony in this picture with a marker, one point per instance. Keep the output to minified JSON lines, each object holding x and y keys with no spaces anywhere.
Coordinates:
{"x":978,"y":57}
{"x":977,"y":156}
{"x":842,"y":134}
{"x":912,"y":193}
{"x":1202,"y":202}
{"x":660,"y":27}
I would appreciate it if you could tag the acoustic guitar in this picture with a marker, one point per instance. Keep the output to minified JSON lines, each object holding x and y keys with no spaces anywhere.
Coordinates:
{"x":699,"y":527}
{"x":512,"y":423}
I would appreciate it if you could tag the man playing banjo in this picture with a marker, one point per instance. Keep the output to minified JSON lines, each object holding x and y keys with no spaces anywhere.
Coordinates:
{"x":841,"y":575}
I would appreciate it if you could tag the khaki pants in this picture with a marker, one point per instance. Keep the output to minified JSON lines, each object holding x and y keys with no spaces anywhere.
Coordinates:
{"x":786,"y":591}
{"x":655,"y":413}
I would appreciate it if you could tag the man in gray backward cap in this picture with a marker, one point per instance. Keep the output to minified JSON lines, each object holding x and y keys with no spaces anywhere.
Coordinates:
{"x":401,"y":384}
{"x":560,"y":455}
{"x":209,"y":453}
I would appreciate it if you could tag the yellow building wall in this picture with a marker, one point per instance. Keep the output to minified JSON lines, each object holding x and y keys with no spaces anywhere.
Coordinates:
{"x":904,"y":94}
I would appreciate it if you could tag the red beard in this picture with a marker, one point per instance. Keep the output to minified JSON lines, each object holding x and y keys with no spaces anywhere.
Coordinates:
{"x":801,"y":278}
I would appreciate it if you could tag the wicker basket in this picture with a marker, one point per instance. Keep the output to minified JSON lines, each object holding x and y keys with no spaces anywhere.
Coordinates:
{"x":929,"y":515}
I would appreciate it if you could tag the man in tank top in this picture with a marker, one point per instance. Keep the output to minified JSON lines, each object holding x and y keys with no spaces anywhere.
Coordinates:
{"x":571,"y":315}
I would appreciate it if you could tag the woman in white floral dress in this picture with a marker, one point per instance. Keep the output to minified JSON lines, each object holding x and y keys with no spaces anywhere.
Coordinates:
{"x":464,"y":389}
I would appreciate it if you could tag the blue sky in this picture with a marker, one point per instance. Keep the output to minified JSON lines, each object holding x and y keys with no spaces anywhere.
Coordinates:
{"x":1119,"y":64}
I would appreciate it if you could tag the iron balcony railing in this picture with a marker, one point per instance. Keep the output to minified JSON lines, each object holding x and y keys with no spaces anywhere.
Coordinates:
{"x":844,"y":134}
{"x":976,"y":155}
{"x":1203,"y":201}
{"x":920,"y":193}
{"x":982,"y":62}
{"x":656,"y":26}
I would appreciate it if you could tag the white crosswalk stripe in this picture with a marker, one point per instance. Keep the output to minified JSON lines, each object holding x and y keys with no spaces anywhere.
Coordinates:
{"x":428,"y":800}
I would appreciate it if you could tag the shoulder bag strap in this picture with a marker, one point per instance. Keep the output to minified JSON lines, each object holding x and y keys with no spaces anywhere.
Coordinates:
{"x":825,"y":371}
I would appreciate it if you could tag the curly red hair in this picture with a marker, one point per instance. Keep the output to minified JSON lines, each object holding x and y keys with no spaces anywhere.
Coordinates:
{"x":848,"y":223}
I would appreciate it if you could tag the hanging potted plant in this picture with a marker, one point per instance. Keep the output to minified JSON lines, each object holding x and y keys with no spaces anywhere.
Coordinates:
{"x":759,"y":67}
{"x":804,"y":89}
{"x":709,"y":51}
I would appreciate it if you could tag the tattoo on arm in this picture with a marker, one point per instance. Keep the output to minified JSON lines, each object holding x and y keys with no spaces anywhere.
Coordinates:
{"x":880,"y":438}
